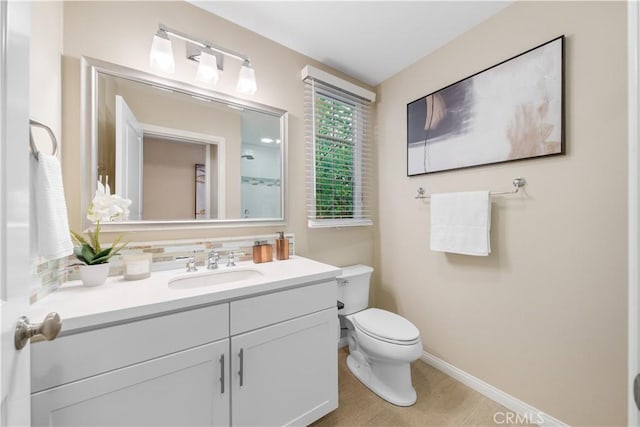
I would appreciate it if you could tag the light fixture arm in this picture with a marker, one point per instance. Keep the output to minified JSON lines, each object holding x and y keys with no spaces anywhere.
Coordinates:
{"x":210,"y":59}
{"x":204,"y":44}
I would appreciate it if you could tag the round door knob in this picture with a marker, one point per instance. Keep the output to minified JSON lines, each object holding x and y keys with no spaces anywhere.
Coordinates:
{"x":47,"y":330}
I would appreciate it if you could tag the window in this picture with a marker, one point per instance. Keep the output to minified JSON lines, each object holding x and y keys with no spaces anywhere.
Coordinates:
{"x":338,"y":156}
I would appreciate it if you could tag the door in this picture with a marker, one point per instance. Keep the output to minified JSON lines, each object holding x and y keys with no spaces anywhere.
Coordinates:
{"x":14,"y":217}
{"x":129,"y":158}
{"x":188,"y":388}
{"x":285,"y":374}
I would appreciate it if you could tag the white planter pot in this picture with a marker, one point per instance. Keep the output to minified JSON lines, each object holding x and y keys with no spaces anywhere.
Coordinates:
{"x":94,"y":275}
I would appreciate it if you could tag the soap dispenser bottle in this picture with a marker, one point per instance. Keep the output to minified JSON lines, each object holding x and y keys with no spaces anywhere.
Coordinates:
{"x":262,"y":251}
{"x":282,"y":246}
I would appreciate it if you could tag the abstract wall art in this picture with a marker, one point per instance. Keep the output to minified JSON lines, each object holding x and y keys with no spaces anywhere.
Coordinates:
{"x":511,"y":111}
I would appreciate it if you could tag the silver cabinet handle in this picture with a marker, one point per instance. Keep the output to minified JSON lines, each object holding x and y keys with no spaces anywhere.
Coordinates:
{"x":241,"y":371}
{"x":222,"y":374}
{"x":47,"y":330}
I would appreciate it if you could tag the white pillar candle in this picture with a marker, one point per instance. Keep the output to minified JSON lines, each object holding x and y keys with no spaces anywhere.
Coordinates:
{"x":137,"y":266}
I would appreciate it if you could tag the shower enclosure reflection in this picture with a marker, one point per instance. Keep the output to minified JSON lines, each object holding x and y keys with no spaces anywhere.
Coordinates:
{"x":260,"y":167}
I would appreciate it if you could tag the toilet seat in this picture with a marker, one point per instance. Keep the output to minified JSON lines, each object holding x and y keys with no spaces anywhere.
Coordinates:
{"x":386,"y":326}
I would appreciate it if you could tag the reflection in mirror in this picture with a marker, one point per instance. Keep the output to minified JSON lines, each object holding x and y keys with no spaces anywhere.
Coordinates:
{"x":260,"y":166}
{"x":183,"y":154}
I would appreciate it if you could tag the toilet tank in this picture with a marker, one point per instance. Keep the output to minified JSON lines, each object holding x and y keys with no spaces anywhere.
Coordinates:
{"x":353,"y":288}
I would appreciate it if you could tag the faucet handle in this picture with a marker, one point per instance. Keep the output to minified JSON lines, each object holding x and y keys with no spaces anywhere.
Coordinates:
{"x":191,"y":262}
{"x":231,"y":259}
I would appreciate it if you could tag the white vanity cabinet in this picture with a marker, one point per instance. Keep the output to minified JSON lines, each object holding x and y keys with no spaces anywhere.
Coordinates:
{"x":264,"y":360}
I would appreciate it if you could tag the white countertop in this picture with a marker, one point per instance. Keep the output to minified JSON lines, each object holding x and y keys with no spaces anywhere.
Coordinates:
{"x":119,"y":300}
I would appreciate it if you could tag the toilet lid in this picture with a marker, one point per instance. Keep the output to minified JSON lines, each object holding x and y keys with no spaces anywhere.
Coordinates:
{"x":386,"y":325}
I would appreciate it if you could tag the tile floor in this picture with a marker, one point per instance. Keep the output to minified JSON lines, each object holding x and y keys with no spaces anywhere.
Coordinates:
{"x":442,"y":401}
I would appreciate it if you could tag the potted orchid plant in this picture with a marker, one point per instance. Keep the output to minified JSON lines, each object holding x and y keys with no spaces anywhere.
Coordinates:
{"x":105,"y":207}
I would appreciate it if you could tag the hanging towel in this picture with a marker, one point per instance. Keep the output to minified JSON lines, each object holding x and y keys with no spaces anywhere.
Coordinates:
{"x":51,"y":221}
{"x":461,"y":222}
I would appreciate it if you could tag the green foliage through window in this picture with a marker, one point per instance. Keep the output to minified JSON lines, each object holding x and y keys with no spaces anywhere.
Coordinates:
{"x":334,"y":158}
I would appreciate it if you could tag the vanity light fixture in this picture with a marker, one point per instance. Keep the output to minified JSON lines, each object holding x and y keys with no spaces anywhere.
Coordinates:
{"x":209,"y":56}
{"x":161,"y":56}
{"x":208,"y":68}
{"x":246,"y":79}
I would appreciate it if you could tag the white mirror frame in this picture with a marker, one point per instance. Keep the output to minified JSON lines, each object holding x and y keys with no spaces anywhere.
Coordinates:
{"x":89,"y":146}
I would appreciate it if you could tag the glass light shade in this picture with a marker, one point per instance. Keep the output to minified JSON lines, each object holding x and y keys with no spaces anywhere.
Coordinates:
{"x":208,"y":68}
{"x":246,"y":80}
{"x":161,"y":56}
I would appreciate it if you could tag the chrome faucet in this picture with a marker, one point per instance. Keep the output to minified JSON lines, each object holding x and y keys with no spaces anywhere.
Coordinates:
{"x":212,"y":260}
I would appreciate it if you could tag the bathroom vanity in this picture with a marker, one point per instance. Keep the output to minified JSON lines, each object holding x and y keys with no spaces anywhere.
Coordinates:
{"x":203,"y":348}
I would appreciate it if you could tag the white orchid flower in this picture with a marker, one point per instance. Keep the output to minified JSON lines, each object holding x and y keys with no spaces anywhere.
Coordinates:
{"x":107,"y":207}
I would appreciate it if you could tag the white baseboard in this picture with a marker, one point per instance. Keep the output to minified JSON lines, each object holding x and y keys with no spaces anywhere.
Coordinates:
{"x":528,"y":413}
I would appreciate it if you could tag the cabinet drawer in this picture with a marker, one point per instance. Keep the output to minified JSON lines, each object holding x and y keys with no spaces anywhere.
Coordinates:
{"x":73,"y":357}
{"x":256,"y":312}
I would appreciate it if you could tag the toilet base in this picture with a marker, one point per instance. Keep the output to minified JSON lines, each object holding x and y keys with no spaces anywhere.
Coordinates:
{"x":397,"y":389}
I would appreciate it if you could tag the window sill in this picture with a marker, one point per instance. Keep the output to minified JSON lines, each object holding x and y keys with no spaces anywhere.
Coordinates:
{"x":338,"y":223}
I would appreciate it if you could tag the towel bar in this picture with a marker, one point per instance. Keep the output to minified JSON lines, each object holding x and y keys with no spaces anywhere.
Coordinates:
{"x":518,"y":183}
{"x":32,"y":145}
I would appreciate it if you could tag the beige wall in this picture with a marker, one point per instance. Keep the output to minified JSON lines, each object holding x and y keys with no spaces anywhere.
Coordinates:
{"x":121,"y":32}
{"x":544,"y":316}
{"x":44,"y":70}
{"x":169,"y":169}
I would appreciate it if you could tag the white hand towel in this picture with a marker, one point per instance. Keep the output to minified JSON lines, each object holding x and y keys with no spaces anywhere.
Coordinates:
{"x":461,"y":223}
{"x":52,"y":223}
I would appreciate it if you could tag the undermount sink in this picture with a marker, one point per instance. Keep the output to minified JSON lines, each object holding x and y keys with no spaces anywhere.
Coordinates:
{"x":213,"y":278}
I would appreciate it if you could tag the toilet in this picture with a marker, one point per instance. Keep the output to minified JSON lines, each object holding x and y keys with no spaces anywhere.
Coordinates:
{"x":381,"y":344}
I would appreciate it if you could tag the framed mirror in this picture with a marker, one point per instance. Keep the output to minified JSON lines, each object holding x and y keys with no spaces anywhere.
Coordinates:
{"x":183,"y":155}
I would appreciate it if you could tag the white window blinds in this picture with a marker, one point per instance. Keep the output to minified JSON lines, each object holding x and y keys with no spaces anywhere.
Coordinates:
{"x":338,"y":134}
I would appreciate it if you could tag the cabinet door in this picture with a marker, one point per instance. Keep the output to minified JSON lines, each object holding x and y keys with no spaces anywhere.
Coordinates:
{"x":285,"y":374}
{"x":185,"y":388}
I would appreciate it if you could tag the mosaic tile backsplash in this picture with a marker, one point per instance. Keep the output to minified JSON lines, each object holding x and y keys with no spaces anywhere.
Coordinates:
{"x":48,"y":276}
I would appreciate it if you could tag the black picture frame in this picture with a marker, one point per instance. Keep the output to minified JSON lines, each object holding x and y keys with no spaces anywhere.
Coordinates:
{"x":511,"y":111}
